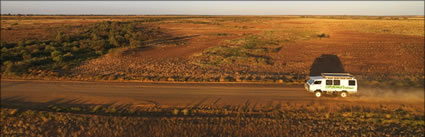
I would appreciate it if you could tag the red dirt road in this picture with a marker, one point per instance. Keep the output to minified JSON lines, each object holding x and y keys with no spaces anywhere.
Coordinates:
{"x":191,"y":94}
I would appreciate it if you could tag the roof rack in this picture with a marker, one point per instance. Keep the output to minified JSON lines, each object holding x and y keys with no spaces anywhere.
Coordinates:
{"x":337,"y":76}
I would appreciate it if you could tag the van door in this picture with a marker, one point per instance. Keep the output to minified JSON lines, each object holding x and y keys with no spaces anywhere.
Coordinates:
{"x":317,"y":84}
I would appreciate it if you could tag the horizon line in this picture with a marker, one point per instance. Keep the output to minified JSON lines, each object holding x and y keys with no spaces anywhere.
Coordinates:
{"x":24,"y":14}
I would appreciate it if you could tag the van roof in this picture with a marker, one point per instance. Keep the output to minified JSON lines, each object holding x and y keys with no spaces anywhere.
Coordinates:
{"x":337,"y":76}
{"x":316,"y":77}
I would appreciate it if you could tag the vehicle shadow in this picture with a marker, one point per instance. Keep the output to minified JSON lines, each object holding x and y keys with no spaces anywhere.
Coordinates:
{"x":326,"y":63}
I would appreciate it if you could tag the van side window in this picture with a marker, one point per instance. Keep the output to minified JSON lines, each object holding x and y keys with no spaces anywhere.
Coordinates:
{"x":317,"y":82}
{"x":336,"y":82}
{"x":351,"y":82}
{"x":328,"y":82}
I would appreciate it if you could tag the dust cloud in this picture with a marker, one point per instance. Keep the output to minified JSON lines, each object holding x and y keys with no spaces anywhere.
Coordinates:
{"x":391,"y":94}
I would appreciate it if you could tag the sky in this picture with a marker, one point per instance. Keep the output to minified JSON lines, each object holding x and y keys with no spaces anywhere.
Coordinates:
{"x":382,"y":8}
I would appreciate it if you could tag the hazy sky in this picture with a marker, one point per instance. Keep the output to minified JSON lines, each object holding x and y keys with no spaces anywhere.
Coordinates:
{"x":216,"y":7}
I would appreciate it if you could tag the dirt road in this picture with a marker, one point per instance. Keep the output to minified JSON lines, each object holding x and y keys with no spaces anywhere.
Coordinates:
{"x":190,"y":94}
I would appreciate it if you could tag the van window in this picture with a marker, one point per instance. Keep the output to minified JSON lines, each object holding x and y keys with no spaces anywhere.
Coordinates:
{"x":317,"y":82}
{"x":328,"y":82}
{"x":336,"y":82}
{"x":351,"y":82}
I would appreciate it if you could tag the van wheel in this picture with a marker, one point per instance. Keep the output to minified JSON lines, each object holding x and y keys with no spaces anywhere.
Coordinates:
{"x":343,"y":94}
{"x":318,"y":94}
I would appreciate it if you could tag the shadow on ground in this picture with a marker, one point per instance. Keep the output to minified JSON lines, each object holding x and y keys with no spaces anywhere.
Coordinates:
{"x":326,"y":63}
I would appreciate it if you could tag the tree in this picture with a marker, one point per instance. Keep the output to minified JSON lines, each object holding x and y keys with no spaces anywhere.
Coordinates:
{"x":113,"y":41}
{"x":68,"y":56}
{"x":3,"y":44}
{"x":58,"y":58}
{"x":134,"y":43}
{"x":60,"y":37}
{"x":56,"y":53}
{"x":9,"y":67}
{"x":94,"y":36}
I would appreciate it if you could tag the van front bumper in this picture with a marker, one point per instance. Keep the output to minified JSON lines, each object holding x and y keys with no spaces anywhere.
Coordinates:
{"x":307,"y":87}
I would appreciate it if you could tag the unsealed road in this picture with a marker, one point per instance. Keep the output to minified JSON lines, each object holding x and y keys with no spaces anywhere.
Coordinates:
{"x":186,"y":94}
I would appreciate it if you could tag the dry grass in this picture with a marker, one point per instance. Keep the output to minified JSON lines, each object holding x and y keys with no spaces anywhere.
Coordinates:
{"x":209,"y":120}
{"x":379,"y":50}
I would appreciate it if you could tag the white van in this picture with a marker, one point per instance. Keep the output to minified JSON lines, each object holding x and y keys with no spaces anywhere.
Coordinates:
{"x":341,"y":84}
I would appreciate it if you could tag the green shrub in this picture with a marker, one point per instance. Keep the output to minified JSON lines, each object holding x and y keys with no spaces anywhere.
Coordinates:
{"x":61,"y":37}
{"x":323,"y":35}
{"x":94,"y":41}
{"x":8,"y":66}
{"x":252,"y":49}
{"x":56,"y":53}
{"x":58,"y":58}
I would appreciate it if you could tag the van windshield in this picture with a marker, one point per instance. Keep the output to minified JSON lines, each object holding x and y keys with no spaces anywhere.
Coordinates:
{"x":310,"y":81}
